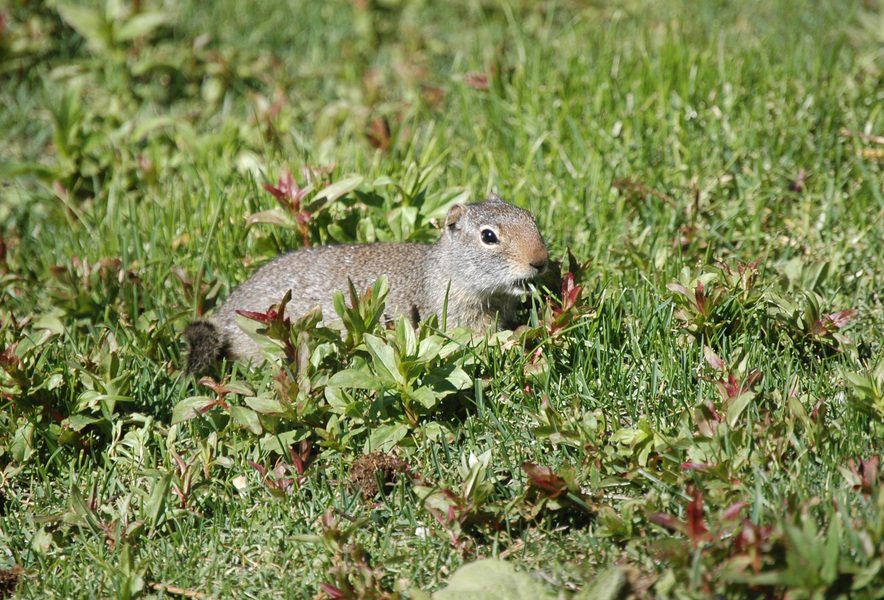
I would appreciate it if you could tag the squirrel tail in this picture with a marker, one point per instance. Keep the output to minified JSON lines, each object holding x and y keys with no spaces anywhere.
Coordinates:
{"x":206,"y":344}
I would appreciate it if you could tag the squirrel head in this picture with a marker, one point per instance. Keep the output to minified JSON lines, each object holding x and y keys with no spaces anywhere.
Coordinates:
{"x":498,"y":247}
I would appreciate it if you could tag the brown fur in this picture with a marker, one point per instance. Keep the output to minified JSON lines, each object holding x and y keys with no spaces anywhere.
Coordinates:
{"x":481,"y":281}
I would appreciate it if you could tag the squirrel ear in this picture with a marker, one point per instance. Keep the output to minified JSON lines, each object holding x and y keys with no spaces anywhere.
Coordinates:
{"x":494,"y":198}
{"x":454,"y":215}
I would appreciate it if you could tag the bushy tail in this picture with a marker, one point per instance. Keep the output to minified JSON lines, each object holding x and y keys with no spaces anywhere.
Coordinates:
{"x":206,"y":344}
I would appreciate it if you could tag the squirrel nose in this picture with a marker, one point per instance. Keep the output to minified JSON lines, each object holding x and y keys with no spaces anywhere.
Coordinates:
{"x":539,"y":262}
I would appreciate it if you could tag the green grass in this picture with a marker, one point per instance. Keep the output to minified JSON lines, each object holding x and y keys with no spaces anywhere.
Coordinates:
{"x":653,"y":140}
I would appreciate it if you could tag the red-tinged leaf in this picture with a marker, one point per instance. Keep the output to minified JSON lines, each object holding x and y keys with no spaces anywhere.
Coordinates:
{"x":754,"y":377}
{"x":567,"y":284}
{"x":700,"y":298}
{"x":679,"y":289}
{"x":477,"y":81}
{"x":297,"y":463}
{"x":696,"y":528}
{"x":713,"y":359}
{"x":210,"y":383}
{"x":870,"y":472}
{"x":379,"y":134}
{"x":277,"y":193}
{"x":574,"y":295}
{"x":570,"y":292}
{"x":289,"y":196}
{"x":304,"y":449}
{"x":273,"y":216}
{"x":269,"y":317}
{"x":733,"y":387}
{"x":260,"y":468}
{"x":819,"y":328}
{"x":9,"y":357}
{"x":817,"y":409}
{"x":727,"y":389}
{"x":332,"y":591}
{"x":436,"y":513}
{"x":732,"y":511}
{"x":59,"y":189}
{"x":841,"y":318}
{"x":748,"y":541}
{"x":669,"y":522}
{"x":179,"y":462}
{"x":545,"y":479}
{"x":316,"y":174}
{"x":694,"y":466}
{"x":798,"y":184}
{"x":236,"y":387}
{"x":707,"y":419}
{"x":754,"y":264}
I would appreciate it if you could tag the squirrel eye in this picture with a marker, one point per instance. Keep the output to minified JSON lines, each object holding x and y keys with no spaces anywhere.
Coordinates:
{"x":488,"y":237}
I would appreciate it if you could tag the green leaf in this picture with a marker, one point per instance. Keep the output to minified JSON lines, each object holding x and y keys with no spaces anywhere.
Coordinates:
{"x":608,"y":585}
{"x":339,"y":188}
{"x":190,"y":408}
{"x":247,"y":418}
{"x":797,"y":409}
{"x":340,"y":304}
{"x":832,"y":550}
{"x":425,"y":396}
{"x":154,"y":508}
{"x":435,"y":430}
{"x":436,"y":205}
{"x":355,"y":378}
{"x":149,"y":125}
{"x":140,"y":25}
{"x":239,"y":387}
{"x":491,"y":579}
{"x":274,"y":216}
{"x":88,"y":23}
{"x":736,"y":407}
{"x":82,"y":510}
{"x":265,"y":405}
{"x":384,"y":361}
{"x":80,"y":422}
{"x":386,"y":436}
{"x":459,"y":379}
{"x":429,"y":348}
{"x":130,"y":583}
{"x":401,"y":221}
{"x":629,"y":436}
{"x":280,"y":442}
{"x":22,"y":446}
{"x":14,"y":169}
{"x":405,"y":337}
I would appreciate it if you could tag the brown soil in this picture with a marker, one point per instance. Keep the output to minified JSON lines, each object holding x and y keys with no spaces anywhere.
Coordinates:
{"x":369,"y":468}
{"x":9,"y":579}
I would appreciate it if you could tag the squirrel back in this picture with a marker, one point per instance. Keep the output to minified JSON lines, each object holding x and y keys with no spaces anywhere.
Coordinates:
{"x":487,"y":254}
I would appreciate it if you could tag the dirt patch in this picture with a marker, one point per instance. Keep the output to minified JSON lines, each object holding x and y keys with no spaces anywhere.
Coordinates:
{"x":9,"y":579}
{"x":371,"y":468}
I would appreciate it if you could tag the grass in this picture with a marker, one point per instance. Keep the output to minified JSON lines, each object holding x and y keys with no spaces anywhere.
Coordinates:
{"x":708,"y":429}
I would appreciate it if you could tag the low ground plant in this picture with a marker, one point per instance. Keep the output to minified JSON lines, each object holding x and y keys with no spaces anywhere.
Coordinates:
{"x":692,"y":407}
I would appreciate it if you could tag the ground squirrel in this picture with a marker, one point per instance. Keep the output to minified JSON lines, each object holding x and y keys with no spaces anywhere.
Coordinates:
{"x":487,"y":253}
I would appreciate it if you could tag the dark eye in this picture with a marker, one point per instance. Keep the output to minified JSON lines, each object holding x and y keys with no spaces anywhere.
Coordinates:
{"x":488,"y":237}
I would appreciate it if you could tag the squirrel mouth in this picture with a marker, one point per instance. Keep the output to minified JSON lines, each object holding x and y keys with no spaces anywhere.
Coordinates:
{"x":520,"y":287}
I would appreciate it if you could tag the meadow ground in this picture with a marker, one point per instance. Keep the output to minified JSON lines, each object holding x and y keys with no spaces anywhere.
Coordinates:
{"x":697,"y":414}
